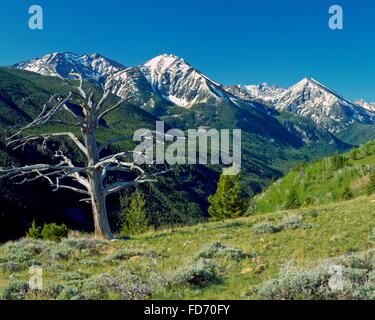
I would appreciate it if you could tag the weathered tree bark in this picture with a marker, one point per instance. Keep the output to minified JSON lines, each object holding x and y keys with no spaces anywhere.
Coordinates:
{"x":99,"y":210}
{"x":96,"y":190}
{"x":91,"y":177}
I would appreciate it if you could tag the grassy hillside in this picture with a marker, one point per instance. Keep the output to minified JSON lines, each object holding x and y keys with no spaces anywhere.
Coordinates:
{"x":183,"y":263}
{"x":321,"y":180}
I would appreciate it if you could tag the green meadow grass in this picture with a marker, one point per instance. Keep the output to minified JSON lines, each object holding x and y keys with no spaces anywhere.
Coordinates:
{"x":337,"y":229}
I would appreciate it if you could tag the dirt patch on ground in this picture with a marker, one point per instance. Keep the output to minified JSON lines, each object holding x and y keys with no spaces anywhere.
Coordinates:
{"x":107,"y":250}
{"x":358,"y":183}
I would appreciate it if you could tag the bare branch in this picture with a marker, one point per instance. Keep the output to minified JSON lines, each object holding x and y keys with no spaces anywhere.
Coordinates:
{"x":121,"y":185}
{"x":67,"y":109}
{"x":62,"y":186}
{"x":102,"y":100}
{"x":25,"y":140}
{"x":44,"y":116}
{"x":72,"y":173}
{"x":114,"y":107}
{"x":80,"y":87}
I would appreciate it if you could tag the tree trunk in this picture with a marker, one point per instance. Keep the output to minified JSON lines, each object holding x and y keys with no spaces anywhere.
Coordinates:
{"x":99,"y":210}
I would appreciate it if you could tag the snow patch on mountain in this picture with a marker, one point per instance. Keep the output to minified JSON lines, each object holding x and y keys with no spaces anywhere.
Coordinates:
{"x":265,"y":92}
{"x":180,"y":83}
{"x":171,"y":78}
{"x":366,"y":105}
{"x":94,"y":67}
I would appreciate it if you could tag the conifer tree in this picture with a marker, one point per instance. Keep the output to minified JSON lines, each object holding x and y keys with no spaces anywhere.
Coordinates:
{"x":347,"y":194}
{"x":371,"y":185}
{"x":354,"y":154}
{"x":292,"y":201}
{"x":228,"y":202}
{"x":136,"y":220}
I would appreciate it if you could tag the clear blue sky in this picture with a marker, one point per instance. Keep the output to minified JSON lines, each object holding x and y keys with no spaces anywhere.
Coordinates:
{"x":233,"y":42}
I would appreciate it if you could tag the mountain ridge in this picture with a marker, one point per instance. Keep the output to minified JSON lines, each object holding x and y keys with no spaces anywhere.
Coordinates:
{"x":168,"y":80}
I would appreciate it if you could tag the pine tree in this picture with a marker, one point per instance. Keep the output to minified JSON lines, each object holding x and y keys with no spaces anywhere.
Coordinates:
{"x":292,"y":201}
{"x":371,"y":185}
{"x":347,"y":194}
{"x":136,"y":220}
{"x":338,"y":161}
{"x":34,"y":231}
{"x":228,"y":202}
{"x":308,"y":201}
{"x":354,"y":154}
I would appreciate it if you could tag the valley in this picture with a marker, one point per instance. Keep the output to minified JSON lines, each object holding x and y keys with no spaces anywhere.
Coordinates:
{"x":278,"y":130}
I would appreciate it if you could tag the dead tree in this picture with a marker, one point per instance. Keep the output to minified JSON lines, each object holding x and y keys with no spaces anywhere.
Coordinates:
{"x":91,"y":178}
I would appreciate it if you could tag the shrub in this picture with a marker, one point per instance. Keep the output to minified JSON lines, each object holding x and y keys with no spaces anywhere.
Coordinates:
{"x":372,"y":236}
{"x":33,"y":262}
{"x":265,"y":227}
{"x":126,"y":254}
{"x":127,"y":288}
{"x":34,"y":231}
{"x":67,"y":294}
{"x":54,"y":232}
{"x":347,"y":194}
{"x":216,"y":249}
{"x":199,"y":273}
{"x":12,"y":266}
{"x":85,"y":243}
{"x":59,"y":252}
{"x":22,"y":252}
{"x":21,"y":255}
{"x":86,"y":247}
{"x":308,"y":201}
{"x":69,"y":276}
{"x":290,"y":222}
{"x":230,"y":253}
{"x":350,"y":277}
{"x":90,"y":262}
{"x":15,"y":290}
{"x":52,"y":290}
{"x":294,"y":285}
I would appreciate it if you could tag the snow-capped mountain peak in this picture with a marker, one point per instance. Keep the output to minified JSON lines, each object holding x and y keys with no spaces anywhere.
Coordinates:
{"x":172,"y":78}
{"x":366,"y":105}
{"x":310,"y":98}
{"x":180,"y":83}
{"x":95,"y":67}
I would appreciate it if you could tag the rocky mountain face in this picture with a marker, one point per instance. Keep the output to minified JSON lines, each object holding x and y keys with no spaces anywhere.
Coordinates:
{"x":95,"y":67}
{"x":366,"y":105}
{"x":172,"y":81}
{"x":313,"y":100}
{"x":265,"y":93}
